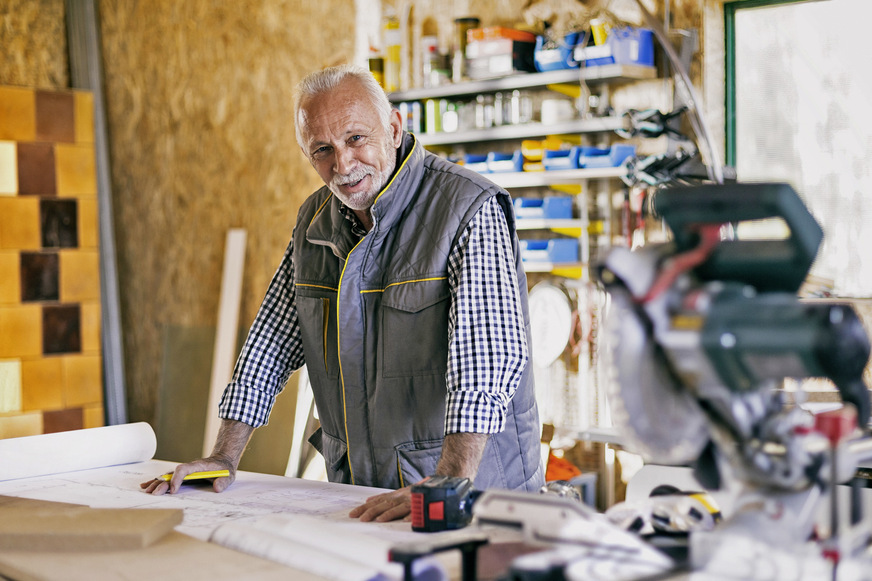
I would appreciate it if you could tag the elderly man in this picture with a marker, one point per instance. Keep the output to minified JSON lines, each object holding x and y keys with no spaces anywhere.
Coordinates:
{"x":402,"y":292}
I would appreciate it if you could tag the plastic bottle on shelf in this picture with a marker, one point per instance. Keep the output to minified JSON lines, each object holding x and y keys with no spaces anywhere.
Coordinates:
{"x":429,"y":60}
{"x":393,"y":50}
{"x":484,"y":111}
{"x":458,"y":63}
{"x":451,"y":117}
{"x":377,"y":66}
{"x":501,"y":116}
{"x":520,"y":108}
{"x":433,"y":109}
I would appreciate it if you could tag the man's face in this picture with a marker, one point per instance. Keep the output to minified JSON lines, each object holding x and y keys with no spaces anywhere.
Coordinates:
{"x":348,"y":145}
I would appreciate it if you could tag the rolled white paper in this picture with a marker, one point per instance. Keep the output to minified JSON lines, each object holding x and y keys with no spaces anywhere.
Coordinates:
{"x":76,"y":450}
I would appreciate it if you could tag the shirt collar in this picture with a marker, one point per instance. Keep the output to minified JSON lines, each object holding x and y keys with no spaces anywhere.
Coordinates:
{"x":356,"y":226}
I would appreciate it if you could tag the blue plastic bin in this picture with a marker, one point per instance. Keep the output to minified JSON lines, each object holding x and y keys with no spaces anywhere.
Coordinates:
{"x":505,"y":162}
{"x":560,"y":158}
{"x":554,"y":250}
{"x":633,"y":46}
{"x":592,"y":155}
{"x":624,"y":46}
{"x":548,"y":208}
{"x":476,"y":162}
{"x":562,"y":57}
{"x":595,"y":157}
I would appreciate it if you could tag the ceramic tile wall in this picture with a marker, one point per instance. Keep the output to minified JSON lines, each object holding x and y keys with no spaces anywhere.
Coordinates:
{"x":50,"y":359}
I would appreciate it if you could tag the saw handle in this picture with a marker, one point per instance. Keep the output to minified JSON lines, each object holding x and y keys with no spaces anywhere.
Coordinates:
{"x":779,"y":265}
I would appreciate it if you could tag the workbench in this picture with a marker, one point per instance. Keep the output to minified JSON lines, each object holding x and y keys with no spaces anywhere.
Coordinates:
{"x":309,"y":512}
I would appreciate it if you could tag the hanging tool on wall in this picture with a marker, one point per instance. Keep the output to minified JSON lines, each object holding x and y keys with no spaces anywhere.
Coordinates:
{"x":651,"y":123}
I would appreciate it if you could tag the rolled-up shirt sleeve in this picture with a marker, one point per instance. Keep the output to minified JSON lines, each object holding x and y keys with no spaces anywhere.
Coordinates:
{"x":488,"y":350}
{"x":272,"y":351}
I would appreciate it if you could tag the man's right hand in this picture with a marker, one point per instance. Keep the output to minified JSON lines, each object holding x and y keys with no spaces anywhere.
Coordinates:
{"x":232,"y":438}
{"x":160,"y":486}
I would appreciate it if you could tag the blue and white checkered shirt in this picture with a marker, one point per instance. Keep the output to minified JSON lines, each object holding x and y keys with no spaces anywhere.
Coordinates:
{"x":487,"y":349}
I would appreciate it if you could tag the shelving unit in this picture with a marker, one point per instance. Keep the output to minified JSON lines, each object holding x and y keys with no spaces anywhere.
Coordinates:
{"x":542,"y":224}
{"x":598,"y":179}
{"x":598,"y":74}
{"x":532,"y":179}
{"x":526,"y":131}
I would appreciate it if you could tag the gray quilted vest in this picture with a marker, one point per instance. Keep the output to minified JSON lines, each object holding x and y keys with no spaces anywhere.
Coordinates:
{"x":374,"y":321}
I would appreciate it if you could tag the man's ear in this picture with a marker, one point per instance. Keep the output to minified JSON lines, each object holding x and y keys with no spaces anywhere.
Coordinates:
{"x":396,"y":125}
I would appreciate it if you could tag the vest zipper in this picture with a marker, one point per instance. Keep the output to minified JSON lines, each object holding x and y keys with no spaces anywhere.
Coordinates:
{"x":339,"y":358}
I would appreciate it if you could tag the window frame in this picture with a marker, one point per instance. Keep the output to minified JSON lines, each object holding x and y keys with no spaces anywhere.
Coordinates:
{"x":730,"y":9}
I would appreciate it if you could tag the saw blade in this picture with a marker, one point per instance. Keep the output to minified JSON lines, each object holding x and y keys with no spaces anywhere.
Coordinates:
{"x":658,"y":418}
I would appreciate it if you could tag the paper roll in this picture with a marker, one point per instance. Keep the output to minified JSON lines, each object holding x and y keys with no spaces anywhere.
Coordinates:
{"x":76,"y":450}
{"x":323,"y":548}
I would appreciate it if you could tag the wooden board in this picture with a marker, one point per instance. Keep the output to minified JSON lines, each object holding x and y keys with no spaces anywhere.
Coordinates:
{"x":18,"y":502}
{"x":42,"y":540}
{"x":175,"y":557}
{"x":48,"y":527}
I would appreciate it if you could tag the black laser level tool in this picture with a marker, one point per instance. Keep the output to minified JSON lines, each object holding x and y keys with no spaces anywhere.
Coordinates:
{"x":442,"y":503}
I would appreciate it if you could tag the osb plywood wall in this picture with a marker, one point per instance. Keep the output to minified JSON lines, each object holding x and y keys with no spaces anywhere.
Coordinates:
{"x":199,"y":108}
{"x":33,"y":44}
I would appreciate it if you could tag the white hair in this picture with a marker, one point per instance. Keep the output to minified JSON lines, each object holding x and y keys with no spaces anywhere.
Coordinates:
{"x":326,"y":80}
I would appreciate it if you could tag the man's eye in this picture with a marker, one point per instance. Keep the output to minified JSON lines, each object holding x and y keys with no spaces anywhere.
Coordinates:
{"x":356,"y":138}
{"x":319,"y":152}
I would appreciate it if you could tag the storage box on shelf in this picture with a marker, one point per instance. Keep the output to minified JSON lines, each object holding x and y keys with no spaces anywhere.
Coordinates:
{"x":549,"y":208}
{"x":624,"y":46}
{"x":557,"y":57}
{"x":496,"y":51}
{"x":555,"y":214}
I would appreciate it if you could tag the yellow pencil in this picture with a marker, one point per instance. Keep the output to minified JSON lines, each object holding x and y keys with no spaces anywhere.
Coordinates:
{"x":198,"y":475}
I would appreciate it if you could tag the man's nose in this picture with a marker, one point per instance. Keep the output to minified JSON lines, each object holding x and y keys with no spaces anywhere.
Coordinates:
{"x":345,"y":161}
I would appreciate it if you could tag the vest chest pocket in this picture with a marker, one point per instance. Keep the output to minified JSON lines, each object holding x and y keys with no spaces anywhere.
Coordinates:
{"x":318,"y":327}
{"x":414,"y":338}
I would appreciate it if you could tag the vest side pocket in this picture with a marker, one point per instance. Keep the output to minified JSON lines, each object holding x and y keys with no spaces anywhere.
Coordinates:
{"x":335,"y":455}
{"x":417,"y":460}
{"x":318,"y":328}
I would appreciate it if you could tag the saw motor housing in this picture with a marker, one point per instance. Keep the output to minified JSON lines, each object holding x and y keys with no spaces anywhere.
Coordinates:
{"x":704,"y":329}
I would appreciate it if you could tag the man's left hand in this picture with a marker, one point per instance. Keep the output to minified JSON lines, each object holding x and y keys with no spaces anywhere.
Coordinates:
{"x":385,"y":507}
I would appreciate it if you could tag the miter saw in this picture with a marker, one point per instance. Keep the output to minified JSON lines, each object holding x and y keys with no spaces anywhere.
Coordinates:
{"x":703,"y":331}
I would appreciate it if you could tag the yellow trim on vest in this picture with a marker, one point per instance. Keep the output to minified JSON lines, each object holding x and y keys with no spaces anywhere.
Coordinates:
{"x":330,"y":288}
{"x":400,"y":473}
{"x":396,"y":173}
{"x":321,"y":207}
{"x":381,"y":290}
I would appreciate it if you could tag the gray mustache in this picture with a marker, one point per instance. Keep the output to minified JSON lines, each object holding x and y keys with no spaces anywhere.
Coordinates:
{"x":355,"y":176}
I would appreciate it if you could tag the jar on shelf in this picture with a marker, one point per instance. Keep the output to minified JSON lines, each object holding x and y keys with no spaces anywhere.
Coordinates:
{"x":484,"y":111}
{"x":450,"y":118}
{"x":501,"y":109}
{"x":520,"y":108}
